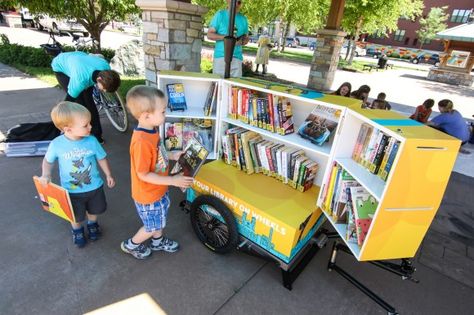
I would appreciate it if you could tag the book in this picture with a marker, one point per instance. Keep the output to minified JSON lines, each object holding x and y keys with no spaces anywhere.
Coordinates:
{"x":173,"y":136}
{"x":319,"y":124}
{"x":211,"y":99}
{"x":201,"y":129}
{"x":364,"y":206}
{"x":192,"y":159}
{"x":55,"y":199}
{"x":176,"y":98}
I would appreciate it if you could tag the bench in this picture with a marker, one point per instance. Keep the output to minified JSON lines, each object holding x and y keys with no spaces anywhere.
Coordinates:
{"x":370,"y":67}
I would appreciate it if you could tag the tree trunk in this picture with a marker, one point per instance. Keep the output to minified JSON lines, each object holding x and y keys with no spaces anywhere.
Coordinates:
{"x":95,"y":31}
{"x":349,"y":45}
{"x":421,"y":43}
{"x":356,"y":36}
{"x":284,"y":35}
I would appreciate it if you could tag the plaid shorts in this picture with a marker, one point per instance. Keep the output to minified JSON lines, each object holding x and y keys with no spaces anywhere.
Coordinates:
{"x":153,"y":215}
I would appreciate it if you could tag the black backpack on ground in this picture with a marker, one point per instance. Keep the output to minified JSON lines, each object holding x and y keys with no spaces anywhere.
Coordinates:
{"x":32,"y":132}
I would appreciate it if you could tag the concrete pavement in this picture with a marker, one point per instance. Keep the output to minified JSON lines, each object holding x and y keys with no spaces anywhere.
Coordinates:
{"x":43,"y":273}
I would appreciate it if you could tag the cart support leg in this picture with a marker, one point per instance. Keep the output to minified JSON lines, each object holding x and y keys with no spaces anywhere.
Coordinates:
{"x":332,"y":266}
{"x":290,"y":275}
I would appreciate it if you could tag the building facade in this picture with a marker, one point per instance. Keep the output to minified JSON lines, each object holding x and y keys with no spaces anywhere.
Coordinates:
{"x":405,"y":36}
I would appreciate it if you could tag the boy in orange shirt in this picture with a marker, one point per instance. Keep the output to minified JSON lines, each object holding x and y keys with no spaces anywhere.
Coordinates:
{"x":149,"y":173}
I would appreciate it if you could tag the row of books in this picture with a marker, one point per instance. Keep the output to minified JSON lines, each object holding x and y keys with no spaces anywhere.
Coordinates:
{"x":249,"y":152}
{"x":347,"y":202}
{"x":180,"y":131}
{"x":177,"y":98}
{"x":265,"y":111}
{"x":375,"y":150}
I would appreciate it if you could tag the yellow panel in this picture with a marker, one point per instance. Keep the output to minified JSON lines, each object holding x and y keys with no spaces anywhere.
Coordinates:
{"x":421,"y":132}
{"x":413,"y":196}
{"x":268,"y":194}
{"x":378,"y":113}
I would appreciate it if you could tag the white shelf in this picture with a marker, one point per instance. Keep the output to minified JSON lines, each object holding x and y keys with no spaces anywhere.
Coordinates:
{"x":191,"y":112}
{"x":292,"y":139}
{"x":372,"y":183}
{"x":175,"y":77}
{"x":341,"y":229}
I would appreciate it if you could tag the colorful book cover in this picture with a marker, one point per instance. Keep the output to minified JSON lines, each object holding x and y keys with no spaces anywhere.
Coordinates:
{"x":388,"y":166}
{"x":320,"y":124}
{"x":201,"y":129}
{"x":55,"y":199}
{"x":364,"y":205}
{"x":174,"y":136}
{"x":176,"y":98}
{"x":192,"y":159}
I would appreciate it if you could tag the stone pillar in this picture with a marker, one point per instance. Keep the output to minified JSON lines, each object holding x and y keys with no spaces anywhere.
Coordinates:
{"x":172,"y":36}
{"x":325,"y":59}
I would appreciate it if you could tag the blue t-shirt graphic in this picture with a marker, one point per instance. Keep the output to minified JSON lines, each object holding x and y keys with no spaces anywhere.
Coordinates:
{"x":77,"y":162}
{"x":220,"y":22}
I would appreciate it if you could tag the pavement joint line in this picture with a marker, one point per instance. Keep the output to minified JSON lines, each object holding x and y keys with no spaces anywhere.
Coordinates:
{"x":239,"y":288}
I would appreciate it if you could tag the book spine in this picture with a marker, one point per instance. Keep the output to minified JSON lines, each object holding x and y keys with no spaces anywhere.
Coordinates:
{"x":388,"y":148}
{"x":379,"y":155}
{"x":365,"y":144}
{"x":390,"y":161}
{"x":225,"y":149}
{"x":311,"y":176}
{"x":370,"y":147}
{"x":360,"y":139}
{"x":377,"y":143}
{"x":271,"y":126}
{"x":276,"y":119}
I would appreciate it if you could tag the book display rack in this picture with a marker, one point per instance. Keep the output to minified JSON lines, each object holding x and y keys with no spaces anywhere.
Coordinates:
{"x":284,"y":156}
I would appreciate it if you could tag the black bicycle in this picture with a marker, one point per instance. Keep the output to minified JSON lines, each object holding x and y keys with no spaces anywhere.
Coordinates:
{"x":111,"y":102}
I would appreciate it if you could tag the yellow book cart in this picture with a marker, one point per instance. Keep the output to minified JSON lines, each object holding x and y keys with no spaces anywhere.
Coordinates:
{"x":380,"y":177}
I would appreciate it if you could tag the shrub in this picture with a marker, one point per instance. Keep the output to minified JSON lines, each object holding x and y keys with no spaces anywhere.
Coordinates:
{"x":247,"y":67}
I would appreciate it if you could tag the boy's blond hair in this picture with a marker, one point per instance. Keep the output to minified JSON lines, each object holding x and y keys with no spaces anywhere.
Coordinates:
{"x":142,"y":99}
{"x":64,"y":113}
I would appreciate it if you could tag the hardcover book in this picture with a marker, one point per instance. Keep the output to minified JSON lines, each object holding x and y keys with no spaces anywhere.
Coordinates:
{"x":176,"y":98}
{"x":55,"y":199}
{"x":174,"y":136}
{"x":192,"y":159}
{"x":320,"y":124}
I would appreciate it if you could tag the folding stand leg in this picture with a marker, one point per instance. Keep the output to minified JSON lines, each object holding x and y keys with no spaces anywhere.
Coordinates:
{"x":332,"y":266}
{"x":290,"y":275}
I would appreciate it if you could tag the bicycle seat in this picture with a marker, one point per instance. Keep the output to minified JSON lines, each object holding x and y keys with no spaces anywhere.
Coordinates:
{"x":52,"y":49}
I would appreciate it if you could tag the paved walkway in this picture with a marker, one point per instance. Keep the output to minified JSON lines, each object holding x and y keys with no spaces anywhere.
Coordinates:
{"x":43,"y":273}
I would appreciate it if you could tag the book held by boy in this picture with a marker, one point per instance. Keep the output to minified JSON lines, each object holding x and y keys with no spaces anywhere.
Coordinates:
{"x":192,"y":159}
{"x":55,"y":199}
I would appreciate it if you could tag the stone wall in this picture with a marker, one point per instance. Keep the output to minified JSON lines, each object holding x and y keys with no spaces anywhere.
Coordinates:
{"x":325,"y":59}
{"x":450,"y":77}
{"x":172,"y":36}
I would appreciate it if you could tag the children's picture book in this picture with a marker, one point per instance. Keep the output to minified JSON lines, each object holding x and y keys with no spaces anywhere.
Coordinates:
{"x":201,"y":129}
{"x":320,"y":124}
{"x":364,"y":206}
{"x":173,"y":136}
{"x":176,"y":98}
{"x":55,"y":199}
{"x":192,"y":159}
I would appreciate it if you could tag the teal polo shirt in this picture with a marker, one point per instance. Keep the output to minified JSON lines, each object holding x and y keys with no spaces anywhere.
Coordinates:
{"x":220,"y":22}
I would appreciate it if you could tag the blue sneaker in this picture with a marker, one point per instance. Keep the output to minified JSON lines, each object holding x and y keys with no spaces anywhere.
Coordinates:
{"x":140,"y":252}
{"x":78,"y":237}
{"x":165,"y":244}
{"x":94,"y":231}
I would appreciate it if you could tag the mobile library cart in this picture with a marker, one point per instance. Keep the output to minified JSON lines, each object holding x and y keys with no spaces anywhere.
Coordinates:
{"x":284,"y":156}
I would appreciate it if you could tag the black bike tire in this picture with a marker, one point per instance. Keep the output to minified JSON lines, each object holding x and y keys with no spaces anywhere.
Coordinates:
{"x":202,"y":231}
{"x":120,"y":126}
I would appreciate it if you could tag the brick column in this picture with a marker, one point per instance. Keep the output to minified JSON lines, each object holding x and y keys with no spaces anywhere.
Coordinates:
{"x":325,"y":59}
{"x":172,"y":36}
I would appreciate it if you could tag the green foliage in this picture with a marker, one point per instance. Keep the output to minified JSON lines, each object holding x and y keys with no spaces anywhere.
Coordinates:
{"x":435,"y":22}
{"x":206,"y":65}
{"x":28,"y":56}
{"x":4,"y":39}
{"x":94,"y":15}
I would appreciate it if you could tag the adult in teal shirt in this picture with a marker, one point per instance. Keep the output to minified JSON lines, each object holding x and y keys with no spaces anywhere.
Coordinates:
{"x":77,"y":72}
{"x":218,"y":29}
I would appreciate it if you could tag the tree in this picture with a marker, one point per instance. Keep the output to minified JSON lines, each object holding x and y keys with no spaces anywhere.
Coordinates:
{"x":94,"y":15}
{"x":435,"y":22}
{"x":372,"y":16}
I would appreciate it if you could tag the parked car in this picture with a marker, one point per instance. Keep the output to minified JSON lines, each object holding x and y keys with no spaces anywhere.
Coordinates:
{"x":253,"y":38}
{"x":289,"y":42}
{"x":425,"y":58}
{"x":68,"y":27}
{"x":26,"y":17}
{"x":373,"y":52}
{"x":358,"y":51}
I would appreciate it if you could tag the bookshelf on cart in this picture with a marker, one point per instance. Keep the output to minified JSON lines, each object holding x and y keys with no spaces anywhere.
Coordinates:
{"x":377,"y":176}
{"x":199,"y":118}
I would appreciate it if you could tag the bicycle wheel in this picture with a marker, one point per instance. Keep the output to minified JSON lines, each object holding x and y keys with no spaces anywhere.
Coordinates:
{"x":115,"y":110}
{"x":214,"y":224}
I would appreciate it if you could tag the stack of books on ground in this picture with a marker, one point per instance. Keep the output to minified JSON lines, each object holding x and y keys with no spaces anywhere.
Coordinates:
{"x":179,"y":132}
{"x":210,"y":103}
{"x":375,"y":150}
{"x":320,"y":124}
{"x":265,"y":111}
{"x":29,"y":148}
{"x":249,"y":152}
{"x":347,"y":202}
{"x":176,"y":97}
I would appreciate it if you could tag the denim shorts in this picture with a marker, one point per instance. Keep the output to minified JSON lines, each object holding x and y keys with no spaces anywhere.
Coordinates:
{"x":153,"y":215}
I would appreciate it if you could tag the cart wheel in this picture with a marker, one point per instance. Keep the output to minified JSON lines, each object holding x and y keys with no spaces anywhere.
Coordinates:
{"x":214,"y":224}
